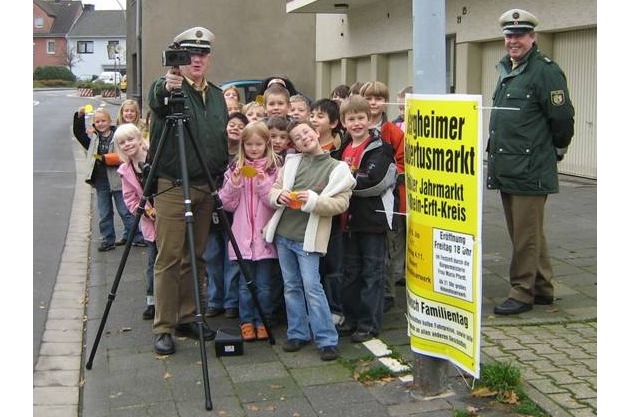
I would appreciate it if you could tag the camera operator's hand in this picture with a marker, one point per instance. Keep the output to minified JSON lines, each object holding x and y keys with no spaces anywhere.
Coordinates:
{"x":173,"y":80}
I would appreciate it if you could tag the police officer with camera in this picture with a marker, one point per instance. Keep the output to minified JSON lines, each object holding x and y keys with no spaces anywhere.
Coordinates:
{"x":204,"y":107}
{"x":531,"y":120}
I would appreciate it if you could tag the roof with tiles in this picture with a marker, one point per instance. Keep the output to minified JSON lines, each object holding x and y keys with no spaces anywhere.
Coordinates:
{"x":64,"y":14}
{"x":100,"y":23}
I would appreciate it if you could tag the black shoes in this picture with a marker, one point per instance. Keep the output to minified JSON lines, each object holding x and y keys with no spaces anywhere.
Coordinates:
{"x":121,"y":242}
{"x":149,"y":313}
{"x":214,"y":311}
{"x":360,"y":337}
{"x":231,"y":313}
{"x":191,"y":330}
{"x":163,"y":344}
{"x":512,"y":306}
{"x":328,"y":353}
{"x":293,"y":345}
{"x":106,"y":247}
{"x":139,"y":243}
{"x":543,"y":300}
{"x":345,"y":329}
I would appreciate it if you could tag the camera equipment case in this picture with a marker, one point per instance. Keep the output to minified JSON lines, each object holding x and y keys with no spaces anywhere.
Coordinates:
{"x":226,"y":344}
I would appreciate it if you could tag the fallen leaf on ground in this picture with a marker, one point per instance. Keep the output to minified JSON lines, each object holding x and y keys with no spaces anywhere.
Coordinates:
{"x":511,"y":398}
{"x":167,"y":375}
{"x":483,"y":392}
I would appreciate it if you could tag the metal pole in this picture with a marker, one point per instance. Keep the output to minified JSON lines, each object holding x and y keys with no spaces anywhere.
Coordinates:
{"x":429,"y":77}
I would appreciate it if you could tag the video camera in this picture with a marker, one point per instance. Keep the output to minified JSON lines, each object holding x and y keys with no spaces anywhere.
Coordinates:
{"x":175,"y":57}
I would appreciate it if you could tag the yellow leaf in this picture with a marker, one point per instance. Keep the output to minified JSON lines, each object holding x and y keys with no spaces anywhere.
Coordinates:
{"x":271,"y":407}
{"x":253,"y":407}
{"x":482,"y":392}
{"x":249,"y":171}
{"x":167,"y":375}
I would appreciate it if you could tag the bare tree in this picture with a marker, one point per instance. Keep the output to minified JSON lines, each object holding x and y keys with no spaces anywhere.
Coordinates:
{"x":69,"y":58}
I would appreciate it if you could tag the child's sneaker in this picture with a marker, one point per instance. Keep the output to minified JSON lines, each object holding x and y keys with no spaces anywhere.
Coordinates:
{"x":261,"y":333}
{"x":247,"y":332}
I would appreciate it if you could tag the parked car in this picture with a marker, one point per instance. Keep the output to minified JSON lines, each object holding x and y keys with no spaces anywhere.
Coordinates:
{"x":123,"y":83}
{"x":247,"y":88}
{"x":110,"y":77}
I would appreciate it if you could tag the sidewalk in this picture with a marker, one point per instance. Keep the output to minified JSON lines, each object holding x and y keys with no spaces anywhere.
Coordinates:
{"x":555,"y":346}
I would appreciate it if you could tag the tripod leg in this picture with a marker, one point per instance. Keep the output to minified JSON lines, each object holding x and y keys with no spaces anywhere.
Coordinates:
{"x":239,"y":257}
{"x":190,"y":234}
{"x":121,"y":266}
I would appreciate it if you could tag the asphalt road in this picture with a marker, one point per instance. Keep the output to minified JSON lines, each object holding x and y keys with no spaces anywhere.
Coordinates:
{"x":53,"y":189}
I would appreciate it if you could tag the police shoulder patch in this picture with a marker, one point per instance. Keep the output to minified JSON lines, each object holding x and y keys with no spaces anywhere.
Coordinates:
{"x":557,"y":97}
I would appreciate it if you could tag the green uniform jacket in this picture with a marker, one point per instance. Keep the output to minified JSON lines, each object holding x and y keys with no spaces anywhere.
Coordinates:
{"x":521,"y":146}
{"x":205,"y":121}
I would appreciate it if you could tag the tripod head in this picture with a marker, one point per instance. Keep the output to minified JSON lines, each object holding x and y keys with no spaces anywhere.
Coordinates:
{"x":176,"y":102}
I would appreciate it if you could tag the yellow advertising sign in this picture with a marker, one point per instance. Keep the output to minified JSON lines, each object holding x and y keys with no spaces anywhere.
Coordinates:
{"x":444,"y":179}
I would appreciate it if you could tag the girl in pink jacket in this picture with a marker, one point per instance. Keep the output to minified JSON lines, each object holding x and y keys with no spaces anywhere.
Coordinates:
{"x":245,"y":193}
{"x":132,"y":149}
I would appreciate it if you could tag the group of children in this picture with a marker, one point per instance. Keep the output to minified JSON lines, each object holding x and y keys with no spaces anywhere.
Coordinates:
{"x":312,"y":193}
{"x":326,"y":208}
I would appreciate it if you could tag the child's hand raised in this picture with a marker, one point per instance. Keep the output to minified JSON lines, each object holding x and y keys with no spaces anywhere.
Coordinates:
{"x":236,"y":177}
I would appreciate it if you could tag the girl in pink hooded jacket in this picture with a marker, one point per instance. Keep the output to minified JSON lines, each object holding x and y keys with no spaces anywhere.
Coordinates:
{"x":245,"y":193}
{"x":132,"y":149}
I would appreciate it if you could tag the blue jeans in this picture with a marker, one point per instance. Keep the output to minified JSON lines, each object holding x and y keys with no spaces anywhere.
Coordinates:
{"x":364,"y":280}
{"x":151,"y":255}
{"x":260,"y":274}
{"x":304,"y":295}
{"x":104,"y":196}
{"x":222,"y":273}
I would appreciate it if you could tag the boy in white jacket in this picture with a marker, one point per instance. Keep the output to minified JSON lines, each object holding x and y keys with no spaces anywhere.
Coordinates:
{"x":318,"y":187}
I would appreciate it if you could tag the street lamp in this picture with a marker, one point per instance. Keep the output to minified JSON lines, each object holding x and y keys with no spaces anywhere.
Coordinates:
{"x":116,"y":58}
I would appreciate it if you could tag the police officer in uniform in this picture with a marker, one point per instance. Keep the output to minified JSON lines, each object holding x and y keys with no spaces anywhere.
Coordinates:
{"x":204,"y":104}
{"x":527,"y":140}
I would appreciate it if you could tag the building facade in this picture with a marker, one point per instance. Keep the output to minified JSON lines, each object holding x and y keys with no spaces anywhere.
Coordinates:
{"x":254,"y":40}
{"x":52,"y":20}
{"x":360,"y":40}
{"x":98,"y":40}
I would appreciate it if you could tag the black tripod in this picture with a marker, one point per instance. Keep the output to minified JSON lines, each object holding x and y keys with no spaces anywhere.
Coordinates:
{"x":178,"y":119}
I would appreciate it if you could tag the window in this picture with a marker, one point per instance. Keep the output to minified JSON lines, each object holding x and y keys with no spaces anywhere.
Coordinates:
{"x":85,"y":47}
{"x":450,"y":63}
{"x":50,"y":47}
{"x":39,"y":22}
{"x":111,"y":49}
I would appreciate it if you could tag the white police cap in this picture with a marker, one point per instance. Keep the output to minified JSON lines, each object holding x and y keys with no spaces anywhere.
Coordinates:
{"x":517,"y":21}
{"x":196,"y":38}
